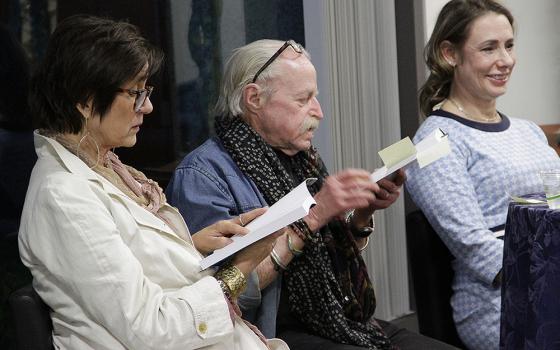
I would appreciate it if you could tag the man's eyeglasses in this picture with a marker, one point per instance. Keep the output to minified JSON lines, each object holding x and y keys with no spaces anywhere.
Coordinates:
{"x":297,"y":48}
{"x":141,"y":96}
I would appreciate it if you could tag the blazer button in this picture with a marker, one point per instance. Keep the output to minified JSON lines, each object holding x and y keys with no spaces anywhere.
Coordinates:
{"x":202,"y":327}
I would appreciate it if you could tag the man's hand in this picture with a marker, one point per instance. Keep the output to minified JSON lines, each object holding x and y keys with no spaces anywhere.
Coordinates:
{"x":389,"y":190}
{"x":387,"y":193}
{"x":348,"y":189}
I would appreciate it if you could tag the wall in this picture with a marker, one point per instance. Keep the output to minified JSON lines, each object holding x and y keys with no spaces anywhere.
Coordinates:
{"x":534,"y":90}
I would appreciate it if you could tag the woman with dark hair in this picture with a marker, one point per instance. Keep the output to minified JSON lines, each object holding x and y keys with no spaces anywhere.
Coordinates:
{"x":465,"y":195}
{"x":116,"y":263}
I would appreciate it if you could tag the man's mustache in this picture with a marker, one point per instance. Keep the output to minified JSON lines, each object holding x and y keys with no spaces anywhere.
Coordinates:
{"x":310,"y":123}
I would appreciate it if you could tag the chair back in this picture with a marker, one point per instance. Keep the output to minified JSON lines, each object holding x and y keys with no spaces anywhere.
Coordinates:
{"x":552,"y":133}
{"x":432,"y":275}
{"x":32,"y":320}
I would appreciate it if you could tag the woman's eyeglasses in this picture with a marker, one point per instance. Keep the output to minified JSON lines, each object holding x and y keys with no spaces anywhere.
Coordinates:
{"x":297,"y":48}
{"x":141,"y":96}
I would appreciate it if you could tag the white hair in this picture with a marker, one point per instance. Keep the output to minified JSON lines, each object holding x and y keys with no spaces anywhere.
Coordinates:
{"x":239,"y":71}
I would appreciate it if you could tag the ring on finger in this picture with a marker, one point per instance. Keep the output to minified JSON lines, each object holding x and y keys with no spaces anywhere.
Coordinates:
{"x":241,"y":221}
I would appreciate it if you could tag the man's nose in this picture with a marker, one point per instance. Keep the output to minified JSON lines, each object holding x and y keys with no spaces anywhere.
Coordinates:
{"x":316,"y":110}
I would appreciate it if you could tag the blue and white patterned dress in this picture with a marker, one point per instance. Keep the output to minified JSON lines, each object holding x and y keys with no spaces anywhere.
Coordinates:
{"x":466,"y":194}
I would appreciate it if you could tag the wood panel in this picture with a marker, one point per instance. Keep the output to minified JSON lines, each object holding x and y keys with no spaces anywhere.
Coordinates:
{"x":552,"y":132}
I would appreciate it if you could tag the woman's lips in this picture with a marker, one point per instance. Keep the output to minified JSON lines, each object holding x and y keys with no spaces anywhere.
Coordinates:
{"x":498,"y":79}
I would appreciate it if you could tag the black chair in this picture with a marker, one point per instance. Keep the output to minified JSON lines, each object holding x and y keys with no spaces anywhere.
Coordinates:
{"x":32,"y":320}
{"x":432,"y":274}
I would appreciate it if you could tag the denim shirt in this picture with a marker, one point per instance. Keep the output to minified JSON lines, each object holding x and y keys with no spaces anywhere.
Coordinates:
{"x":206,"y":187}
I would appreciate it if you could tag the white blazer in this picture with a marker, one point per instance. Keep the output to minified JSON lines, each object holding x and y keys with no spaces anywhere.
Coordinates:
{"x":115,"y":275}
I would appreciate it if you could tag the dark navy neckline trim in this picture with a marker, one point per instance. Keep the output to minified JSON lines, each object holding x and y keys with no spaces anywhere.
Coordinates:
{"x":492,"y":127}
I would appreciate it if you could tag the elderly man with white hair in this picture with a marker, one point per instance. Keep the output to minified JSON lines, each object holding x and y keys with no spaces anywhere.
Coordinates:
{"x":314,"y":289}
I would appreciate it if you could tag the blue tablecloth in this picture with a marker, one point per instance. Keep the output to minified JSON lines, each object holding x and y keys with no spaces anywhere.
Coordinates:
{"x":530,"y":316}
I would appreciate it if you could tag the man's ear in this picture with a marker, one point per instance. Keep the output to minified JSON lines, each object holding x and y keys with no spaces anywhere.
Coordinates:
{"x":252,"y":97}
{"x":449,"y":53}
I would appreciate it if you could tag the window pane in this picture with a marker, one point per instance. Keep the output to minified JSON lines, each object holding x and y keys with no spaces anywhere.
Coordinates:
{"x":196,"y":36}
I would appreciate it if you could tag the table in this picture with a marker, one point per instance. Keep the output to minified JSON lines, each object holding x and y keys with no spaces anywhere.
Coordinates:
{"x":530,"y":316}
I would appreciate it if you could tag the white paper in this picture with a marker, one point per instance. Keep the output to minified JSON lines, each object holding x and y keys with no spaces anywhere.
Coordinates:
{"x":431,"y":148}
{"x":293,"y":206}
{"x":384,"y":171}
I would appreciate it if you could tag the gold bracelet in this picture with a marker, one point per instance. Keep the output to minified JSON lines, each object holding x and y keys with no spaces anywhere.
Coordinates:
{"x":234,"y":279}
{"x":225,"y":289}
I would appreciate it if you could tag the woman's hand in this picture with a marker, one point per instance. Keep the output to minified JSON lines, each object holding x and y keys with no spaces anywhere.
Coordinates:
{"x":218,"y":235}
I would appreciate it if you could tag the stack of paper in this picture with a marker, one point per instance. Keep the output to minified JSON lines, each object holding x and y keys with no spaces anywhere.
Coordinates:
{"x":293,"y":206}
{"x":398,"y":155}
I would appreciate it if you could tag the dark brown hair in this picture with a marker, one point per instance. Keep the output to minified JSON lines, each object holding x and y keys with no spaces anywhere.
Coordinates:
{"x":453,"y":24}
{"x":87,"y":58}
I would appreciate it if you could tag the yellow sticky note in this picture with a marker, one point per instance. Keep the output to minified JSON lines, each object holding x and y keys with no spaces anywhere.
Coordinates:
{"x":397,"y":152}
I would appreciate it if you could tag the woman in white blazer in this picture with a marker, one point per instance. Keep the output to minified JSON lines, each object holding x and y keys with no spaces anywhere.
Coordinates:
{"x":116,"y":263}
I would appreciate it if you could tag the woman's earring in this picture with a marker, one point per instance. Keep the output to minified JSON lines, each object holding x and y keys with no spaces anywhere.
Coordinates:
{"x":95,"y":142}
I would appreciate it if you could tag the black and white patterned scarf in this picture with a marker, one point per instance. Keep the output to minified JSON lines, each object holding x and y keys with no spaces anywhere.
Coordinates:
{"x":329,"y":289}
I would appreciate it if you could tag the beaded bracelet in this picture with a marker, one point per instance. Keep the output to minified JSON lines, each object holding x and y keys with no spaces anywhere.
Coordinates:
{"x":295,"y":252}
{"x":302,"y":230}
{"x":305,"y":228}
{"x":298,"y":232}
